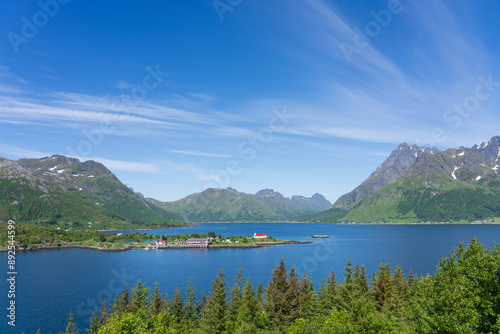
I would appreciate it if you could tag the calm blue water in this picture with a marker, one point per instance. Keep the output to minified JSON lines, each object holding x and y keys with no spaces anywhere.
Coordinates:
{"x":51,"y":283}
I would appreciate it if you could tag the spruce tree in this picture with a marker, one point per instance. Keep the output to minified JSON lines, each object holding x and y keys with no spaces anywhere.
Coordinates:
{"x":121,"y":302}
{"x":177,"y":307}
{"x":260,"y":295}
{"x":347,"y":288}
{"x":383,"y":287}
{"x":157,"y":303}
{"x":361,"y":285}
{"x":307,"y":297}
{"x":215,"y":312}
{"x":71,"y":327}
{"x":412,"y":281}
{"x":201,"y":303}
{"x":247,"y":317}
{"x":276,"y":302}
{"x":139,"y":297}
{"x":98,"y":318}
{"x":292,"y":297}
{"x":236,"y":295}
{"x":328,"y":294}
{"x":250,"y":300}
{"x":190,"y":304}
{"x":400,"y":288}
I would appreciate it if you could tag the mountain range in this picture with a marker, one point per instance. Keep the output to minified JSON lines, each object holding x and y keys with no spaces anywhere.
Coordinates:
{"x":59,"y":189}
{"x":422,"y":184}
{"x":229,"y":205}
{"x":413,"y":184}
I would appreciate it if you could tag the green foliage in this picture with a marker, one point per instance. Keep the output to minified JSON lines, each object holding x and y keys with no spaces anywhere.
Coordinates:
{"x":452,"y":205}
{"x":71,"y":327}
{"x":332,"y":215}
{"x":214,"y":314}
{"x":139,"y":296}
{"x":462,"y":297}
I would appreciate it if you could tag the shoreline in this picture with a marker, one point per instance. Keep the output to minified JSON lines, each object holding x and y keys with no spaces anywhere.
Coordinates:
{"x":128,"y":248}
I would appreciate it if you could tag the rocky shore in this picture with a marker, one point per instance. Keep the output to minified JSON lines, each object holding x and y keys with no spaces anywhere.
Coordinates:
{"x":42,"y":247}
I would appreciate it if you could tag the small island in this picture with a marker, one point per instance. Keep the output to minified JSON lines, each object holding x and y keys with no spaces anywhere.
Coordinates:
{"x":30,"y":238}
{"x":323,"y":236}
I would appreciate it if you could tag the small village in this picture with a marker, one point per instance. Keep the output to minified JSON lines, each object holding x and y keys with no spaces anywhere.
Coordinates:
{"x":197,"y":241}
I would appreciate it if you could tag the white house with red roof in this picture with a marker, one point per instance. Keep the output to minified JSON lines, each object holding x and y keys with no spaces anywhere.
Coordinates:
{"x":259,"y":235}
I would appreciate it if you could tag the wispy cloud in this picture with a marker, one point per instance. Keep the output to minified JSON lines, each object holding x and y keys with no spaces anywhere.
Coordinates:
{"x":127,"y":166}
{"x":11,"y":150}
{"x":202,"y":154}
{"x":383,"y":96}
{"x":120,"y":84}
{"x":63,"y":109}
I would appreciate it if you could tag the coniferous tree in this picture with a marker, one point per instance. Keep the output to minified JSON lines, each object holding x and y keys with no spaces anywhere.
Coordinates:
{"x":292,"y":297}
{"x":98,"y":318}
{"x":71,"y":327}
{"x":412,"y":281}
{"x":201,"y":303}
{"x":275,"y":304}
{"x":346,"y":289}
{"x":236,"y":295}
{"x":177,"y":307}
{"x":361,"y":285}
{"x":248,"y":313}
{"x":328,"y":294}
{"x":260,"y":295}
{"x":250,"y":300}
{"x":383,"y":287}
{"x":139,"y":297}
{"x":121,"y":302}
{"x":400,"y":291}
{"x":157,"y":302}
{"x":190,"y":304}
{"x":215,"y":312}
{"x":307,"y":297}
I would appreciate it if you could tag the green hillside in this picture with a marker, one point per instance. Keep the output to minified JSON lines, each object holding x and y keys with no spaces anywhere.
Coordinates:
{"x":456,"y":185}
{"x":332,"y":215}
{"x":59,"y":190}
{"x":229,"y":205}
{"x":219,"y":205}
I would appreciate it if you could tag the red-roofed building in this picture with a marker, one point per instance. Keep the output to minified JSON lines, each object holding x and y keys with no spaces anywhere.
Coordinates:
{"x":259,"y":235}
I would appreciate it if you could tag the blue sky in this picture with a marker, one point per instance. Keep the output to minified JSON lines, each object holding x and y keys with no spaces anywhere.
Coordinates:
{"x":299,"y":96}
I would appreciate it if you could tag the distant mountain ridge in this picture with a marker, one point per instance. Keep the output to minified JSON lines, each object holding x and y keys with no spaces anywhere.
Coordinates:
{"x":229,"y":205}
{"x":59,"y":188}
{"x":418,"y":183}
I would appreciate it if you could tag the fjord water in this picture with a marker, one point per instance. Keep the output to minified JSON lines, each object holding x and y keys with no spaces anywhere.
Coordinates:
{"x":53,"y":282}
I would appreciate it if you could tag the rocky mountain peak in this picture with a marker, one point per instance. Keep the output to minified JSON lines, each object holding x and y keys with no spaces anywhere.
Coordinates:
{"x":60,"y":165}
{"x":267,"y":192}
{"x":396,"y":164}
{"x":321,"y":200}
{"x":11,"y":169}
{"x":490,"y":149}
